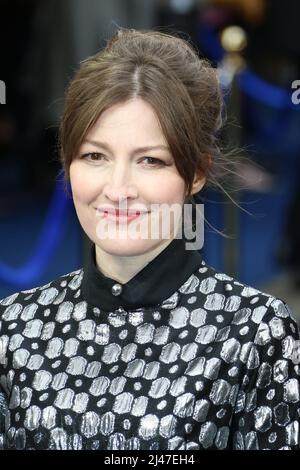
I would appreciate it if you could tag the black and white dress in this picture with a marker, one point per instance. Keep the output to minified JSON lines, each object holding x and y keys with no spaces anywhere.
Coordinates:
{"x":180,"y":357}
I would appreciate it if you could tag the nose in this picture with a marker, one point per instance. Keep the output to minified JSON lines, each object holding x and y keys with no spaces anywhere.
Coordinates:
{"x":119,"y":185}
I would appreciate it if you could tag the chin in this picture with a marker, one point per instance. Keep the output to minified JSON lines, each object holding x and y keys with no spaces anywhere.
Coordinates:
{"x":128,"y":247}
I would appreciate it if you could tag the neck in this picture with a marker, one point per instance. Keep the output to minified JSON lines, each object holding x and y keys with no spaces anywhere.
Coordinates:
{"x":124,"y":268}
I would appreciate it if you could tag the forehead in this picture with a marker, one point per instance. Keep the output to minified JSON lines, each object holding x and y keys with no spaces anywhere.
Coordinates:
{"x":132,"y":120}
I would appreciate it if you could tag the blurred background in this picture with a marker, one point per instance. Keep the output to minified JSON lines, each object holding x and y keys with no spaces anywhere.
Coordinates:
{"x":255,"y":44}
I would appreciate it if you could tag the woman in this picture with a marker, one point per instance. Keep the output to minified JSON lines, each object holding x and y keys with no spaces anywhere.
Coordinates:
{"x":146,"y":347}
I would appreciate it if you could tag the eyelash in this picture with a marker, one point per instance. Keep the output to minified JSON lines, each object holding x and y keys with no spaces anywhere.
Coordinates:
{"x":157,"y":160}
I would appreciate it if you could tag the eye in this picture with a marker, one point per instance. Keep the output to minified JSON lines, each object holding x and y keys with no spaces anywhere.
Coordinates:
{"x":154,"y":161}
{"x":93,"y":156}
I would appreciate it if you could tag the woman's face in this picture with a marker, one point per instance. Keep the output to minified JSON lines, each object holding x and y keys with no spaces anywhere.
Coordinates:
{"x":113,"y":170}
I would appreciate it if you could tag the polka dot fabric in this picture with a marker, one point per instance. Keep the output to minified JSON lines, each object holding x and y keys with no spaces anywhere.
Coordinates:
{"x":213,"y":366}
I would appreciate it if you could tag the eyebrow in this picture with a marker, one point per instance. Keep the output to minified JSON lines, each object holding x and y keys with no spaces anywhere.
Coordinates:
{"x":137,"y":150}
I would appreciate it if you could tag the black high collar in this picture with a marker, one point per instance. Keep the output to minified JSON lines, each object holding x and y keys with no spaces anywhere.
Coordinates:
{"x":157,"y":281}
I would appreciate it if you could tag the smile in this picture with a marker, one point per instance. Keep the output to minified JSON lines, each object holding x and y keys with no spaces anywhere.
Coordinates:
{"x":120,"y":217}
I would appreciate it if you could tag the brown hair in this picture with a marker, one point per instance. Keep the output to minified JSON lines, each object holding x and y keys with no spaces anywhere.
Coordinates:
{"x":165,"y":70}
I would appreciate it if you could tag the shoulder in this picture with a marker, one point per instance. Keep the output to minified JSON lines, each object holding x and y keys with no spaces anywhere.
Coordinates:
{"x":222,"y":292}
{"x":53,"y":292}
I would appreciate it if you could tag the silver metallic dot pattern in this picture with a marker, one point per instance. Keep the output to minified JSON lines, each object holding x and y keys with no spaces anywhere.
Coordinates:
{"x":211,"y":367}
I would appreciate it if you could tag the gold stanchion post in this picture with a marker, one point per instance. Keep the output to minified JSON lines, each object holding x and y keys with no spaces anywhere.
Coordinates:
{"x":233,"y":40}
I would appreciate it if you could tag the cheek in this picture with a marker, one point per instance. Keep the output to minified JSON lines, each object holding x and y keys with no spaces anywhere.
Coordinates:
{"x":165,"y":189}
{"x":84,"y":187}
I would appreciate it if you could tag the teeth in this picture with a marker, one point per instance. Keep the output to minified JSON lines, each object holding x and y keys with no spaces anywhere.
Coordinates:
{"x":128,"y":214}
{"x":121,"y":214}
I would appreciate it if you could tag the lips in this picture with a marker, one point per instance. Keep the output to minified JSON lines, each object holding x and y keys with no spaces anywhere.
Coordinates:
{"x":118,"y":215}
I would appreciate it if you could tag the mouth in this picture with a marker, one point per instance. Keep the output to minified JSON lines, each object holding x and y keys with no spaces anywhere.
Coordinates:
{"x":119,"y":216}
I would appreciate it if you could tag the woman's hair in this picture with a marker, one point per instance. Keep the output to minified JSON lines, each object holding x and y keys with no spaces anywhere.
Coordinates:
{"x":164,"y":70}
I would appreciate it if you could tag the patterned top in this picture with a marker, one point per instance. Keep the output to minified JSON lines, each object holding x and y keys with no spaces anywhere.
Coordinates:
{"x":180,"y":357}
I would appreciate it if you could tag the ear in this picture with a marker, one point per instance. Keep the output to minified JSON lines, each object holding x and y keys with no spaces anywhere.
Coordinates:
{"x":199,"y":182}
{"x":200,"y":177}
